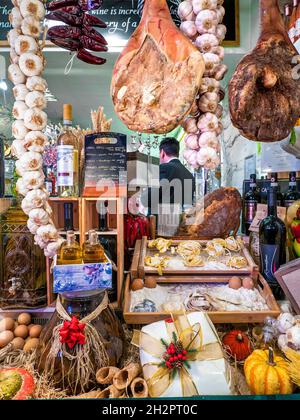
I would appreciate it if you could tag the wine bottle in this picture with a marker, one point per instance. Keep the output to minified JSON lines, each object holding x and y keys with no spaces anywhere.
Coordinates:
{"x":276,"y":187}
{"x":287,"y":15}
{"x":68,"y":217}
{"x":272,"y":240}
{"x":67,"y":158}
{"x":103,"y":217}
{"x":292,"y":194}
{"x":251,"y":199}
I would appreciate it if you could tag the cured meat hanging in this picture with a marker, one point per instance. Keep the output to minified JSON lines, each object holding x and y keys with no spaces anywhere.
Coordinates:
{"x":264,"y":94}
{"x":158,"y":75}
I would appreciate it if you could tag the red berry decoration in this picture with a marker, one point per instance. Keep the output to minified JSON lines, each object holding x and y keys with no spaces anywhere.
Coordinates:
{"x":175,"y":356}
{"x":238,"y":345}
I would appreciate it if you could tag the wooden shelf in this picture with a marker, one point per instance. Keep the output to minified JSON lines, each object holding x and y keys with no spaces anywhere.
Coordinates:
{"x":113,"y":232}
{"x":64,"y":199}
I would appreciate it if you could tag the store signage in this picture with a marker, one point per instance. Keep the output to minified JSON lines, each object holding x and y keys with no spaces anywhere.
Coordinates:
{"x":122,"y":19}
{"x":105,"y":167}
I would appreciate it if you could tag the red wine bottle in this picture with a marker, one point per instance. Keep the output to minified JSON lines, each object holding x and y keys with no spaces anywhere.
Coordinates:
{"x":251,"y":199}
{"x":276,"y":187}
{"x":272,"y":239}
{"x":292,"y":194}
{"x":68,"y":217}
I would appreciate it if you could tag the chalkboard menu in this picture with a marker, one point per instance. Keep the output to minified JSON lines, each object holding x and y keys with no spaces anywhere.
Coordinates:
{"x":122,"y":19}
{"x":105,"y":164}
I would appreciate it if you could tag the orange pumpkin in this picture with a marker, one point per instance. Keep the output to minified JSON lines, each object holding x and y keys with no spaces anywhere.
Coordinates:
{"x":238,"y":344}
{"x":267,"y":374}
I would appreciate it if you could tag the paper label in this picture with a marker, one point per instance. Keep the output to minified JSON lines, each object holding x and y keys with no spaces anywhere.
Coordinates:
{"x":270,"y":261}
{"x":262,"y":213}
{"x":65,"y":166}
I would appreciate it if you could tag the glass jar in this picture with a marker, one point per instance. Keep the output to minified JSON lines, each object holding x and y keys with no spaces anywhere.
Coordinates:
{"x":22,"y":263}
{"x":81,"y":304}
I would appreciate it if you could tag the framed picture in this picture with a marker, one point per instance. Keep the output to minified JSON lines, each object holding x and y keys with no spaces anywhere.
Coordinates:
{"x":232,"y":23}
{"x":288,"y":276}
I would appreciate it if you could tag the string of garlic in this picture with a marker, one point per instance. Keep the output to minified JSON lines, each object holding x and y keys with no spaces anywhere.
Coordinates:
{"x":25,"y":72}
{"x":202,"y":23}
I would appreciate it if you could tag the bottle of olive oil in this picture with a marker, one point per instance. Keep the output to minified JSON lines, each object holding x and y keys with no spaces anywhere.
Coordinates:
{"x":70,"y":252}
{"x":93,"y":251}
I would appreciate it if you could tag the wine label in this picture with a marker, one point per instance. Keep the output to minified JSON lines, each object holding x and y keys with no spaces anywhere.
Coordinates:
{"x":250,"y":211}
{"x":49,"y":186}
{"x":65,"y":166}
{"x":270,"y":261}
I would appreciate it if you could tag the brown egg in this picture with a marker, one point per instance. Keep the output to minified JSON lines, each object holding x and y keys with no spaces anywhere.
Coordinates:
{"x":5,"y":338}
{"x":150,"y":283}
{"x":7,"y":324}
{"x":30,"y":326}
{"x":137,"y":284}
{"x":21,"y":331}
{"x":35,"y":331}
{"x":24,"y":319}
{"x":31,"y":344}
{"x":16,"y":324}
{"x":248,"y":283}
{"x":235,"y":283}
{"x":18,"y":343}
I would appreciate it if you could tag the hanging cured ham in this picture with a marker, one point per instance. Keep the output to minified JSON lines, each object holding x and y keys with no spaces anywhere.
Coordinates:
{"x":158,"y":75}
{"x":264,"y":92}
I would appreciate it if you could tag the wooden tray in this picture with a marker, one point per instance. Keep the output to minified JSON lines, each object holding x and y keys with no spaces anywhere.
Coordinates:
{"x":138,"y":318}
{"x":179,"y":274}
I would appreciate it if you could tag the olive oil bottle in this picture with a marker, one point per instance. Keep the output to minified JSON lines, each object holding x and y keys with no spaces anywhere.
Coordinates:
{"x":93,"y":251}
{"x":70,"y":252}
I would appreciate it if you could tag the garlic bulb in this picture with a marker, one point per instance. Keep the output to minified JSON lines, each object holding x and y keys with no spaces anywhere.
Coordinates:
{"x":19,"y":110}
{"x":208,"y":102}
{"x":208,"y":158}
{"x":206,"y":42}
{"x":208,"y":122}
{"x":191,"y":141}
{"x":24,"y":44}
{"x":190,"y":125}
{"x":285,"y":321}
{"x":185,"y":11}
{"x":19,"y":130}
{"x":220,"y":71}
{"x":12,"y":35}
{"x":35,"y":119}
{"x":293,"y":336}
{"x":211,"y":62}
{"x":21,"y":188}
{"x":47,"y":233}
{"x":31,"y":26}
{"x":53,"y":248}
{"x":20,"y":92}
{"x":210,"y":85}
{"x":31,"y":161}
{"x":209,"y":139}
{"x":32,"y":226}
{"x":206,"y":22}
{"x":39,"y":241}
{"x":219,"y":111}
{"x":282,"y":342}
{"x":15,"y":75}
{"x":34,"y":199}
{"x":32,"y":8}
{"x":35,"y":141}
{"x":17,"y":148}
{"x":221,"y":32}
{"x":14,"y":58}
{"x":33,"y":179}
{"x":188,"y":28}
{"x":31,"y":64}
{"x":36,"y":83}
{"x":199,"y":5}
{"x":220,"y":51}
{"x":15,"y":18}
{"x":19,"y":169}
{"x":39,"y":217}
{"x":191,"y":157}
{"x":220,"y":13}
{"x":36,"y":99}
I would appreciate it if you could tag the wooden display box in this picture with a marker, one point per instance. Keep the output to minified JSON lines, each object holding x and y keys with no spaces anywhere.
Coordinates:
{"x":57,"y":205}
{"x":251,"y":317}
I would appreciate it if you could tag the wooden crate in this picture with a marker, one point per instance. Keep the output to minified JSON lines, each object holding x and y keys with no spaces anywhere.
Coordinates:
{"x":180,"y":275}
{"x":137,"y":318}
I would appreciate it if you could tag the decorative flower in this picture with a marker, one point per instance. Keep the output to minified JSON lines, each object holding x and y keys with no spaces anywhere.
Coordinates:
{"x":72,"y":333}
